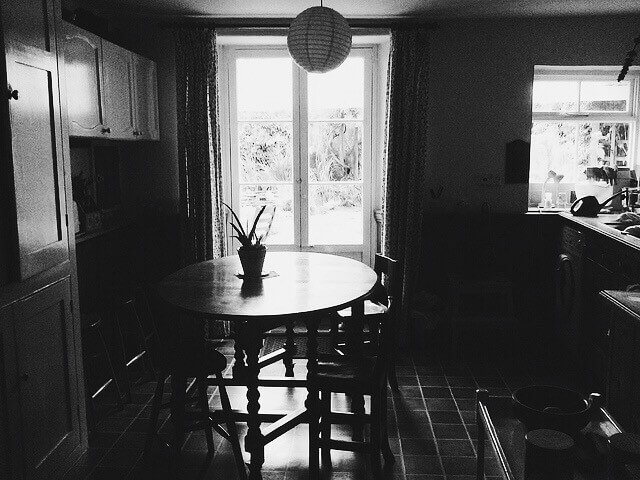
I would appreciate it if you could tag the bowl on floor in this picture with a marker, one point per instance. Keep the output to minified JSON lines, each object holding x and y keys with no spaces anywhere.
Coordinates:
{"x":549,"y":407}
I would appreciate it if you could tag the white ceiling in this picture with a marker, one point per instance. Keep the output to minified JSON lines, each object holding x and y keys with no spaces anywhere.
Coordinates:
{"x":370,"y":8}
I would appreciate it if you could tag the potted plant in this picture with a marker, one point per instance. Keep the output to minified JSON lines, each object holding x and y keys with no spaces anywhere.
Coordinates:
{"x":251,"y":251}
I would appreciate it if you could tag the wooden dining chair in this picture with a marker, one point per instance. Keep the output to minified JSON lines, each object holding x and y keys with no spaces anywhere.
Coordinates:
{"x":100,"y":374}
{"x":201,"y":362}
{"x":375,"y":308}
{"x":356,"y":376}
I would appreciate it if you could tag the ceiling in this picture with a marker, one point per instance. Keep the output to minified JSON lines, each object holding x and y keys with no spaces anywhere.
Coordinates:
{"x":369,"y":8}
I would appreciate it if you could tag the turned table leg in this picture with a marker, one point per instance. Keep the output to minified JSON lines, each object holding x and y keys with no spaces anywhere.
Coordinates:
{"x":312,"y":403}
{"x":254,"y":441}
{"x":239,"y":366}
{"x":290,"y":348}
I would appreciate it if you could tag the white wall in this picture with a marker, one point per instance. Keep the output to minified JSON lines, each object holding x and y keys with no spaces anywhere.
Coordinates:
{"x":480,"y":95}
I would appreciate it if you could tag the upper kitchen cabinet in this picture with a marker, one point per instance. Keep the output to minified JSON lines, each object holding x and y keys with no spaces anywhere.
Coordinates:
{"x":33,"y":142}
{"x":83,"y":61}
{"x":111,"y":92}
{"x":146,"y":98}
{"x":119,"y":100}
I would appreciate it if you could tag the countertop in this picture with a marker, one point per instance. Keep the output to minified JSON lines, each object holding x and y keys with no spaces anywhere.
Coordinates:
{"x":628,"y":301}
{"x":598,"y":224}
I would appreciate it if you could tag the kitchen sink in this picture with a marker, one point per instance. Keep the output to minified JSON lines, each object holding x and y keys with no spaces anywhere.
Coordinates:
{"x":618,"y":225}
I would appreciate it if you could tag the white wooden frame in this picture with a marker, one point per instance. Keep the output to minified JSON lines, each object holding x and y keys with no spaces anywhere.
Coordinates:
{"x":590,"y":74}
{"x":371,"y":158}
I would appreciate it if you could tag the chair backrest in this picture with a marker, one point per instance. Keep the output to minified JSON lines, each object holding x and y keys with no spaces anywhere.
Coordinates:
{"x":388,"y":281}
{"x":389,"y":278}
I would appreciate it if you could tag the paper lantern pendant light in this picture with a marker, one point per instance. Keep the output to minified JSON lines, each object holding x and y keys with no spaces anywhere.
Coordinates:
{"x":319,"y":39}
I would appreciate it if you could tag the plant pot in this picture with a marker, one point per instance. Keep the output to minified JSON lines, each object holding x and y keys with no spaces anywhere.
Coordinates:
{"x":252,"y":260}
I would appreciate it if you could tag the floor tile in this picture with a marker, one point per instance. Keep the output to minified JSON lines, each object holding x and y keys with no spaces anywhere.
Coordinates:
{"x":434,"y":404}
{"x":445,"y":416}
{"x":455,"y":448}
{"x":449,"y":431}
{"x":436,"y":392}
{"x":432,"y":381}
{"x":422,"y":464}
{"x":418,"y":446}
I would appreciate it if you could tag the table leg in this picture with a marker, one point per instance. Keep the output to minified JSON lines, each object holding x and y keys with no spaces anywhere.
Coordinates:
{"x":239,"y":366}
{"x":312,"y":403}
{"x":290,"y":347}
{"x":254,"y":442}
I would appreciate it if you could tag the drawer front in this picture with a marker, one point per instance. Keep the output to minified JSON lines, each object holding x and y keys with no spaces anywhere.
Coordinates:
{"x":572,"y":241}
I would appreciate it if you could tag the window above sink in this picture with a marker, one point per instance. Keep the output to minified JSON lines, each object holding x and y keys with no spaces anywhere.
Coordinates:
{"x":581,"y":118}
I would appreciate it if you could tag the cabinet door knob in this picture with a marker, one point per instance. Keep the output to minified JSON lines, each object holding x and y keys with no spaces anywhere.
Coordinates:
{"x":24,"y":377}
{"x":11,"y":93}
{"x":106,"y":130}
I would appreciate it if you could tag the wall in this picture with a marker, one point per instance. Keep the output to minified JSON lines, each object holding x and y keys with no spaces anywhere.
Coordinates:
{"x":481,"y":81}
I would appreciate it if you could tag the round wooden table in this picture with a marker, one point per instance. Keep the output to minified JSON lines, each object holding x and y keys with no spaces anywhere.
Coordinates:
{"x":300,"y":285}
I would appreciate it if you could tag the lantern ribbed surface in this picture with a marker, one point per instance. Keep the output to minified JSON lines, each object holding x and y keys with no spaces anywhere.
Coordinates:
{"x":319,"y":39}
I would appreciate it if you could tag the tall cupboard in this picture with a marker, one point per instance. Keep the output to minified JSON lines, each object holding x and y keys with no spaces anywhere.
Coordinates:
{"x":42,"y":418}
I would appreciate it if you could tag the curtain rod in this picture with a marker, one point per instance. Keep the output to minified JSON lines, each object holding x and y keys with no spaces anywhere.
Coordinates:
{"x":240,"y":22}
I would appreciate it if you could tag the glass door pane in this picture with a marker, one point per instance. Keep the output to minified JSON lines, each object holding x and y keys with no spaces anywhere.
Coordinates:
{"x":335,"y":149}
{"x":265,"y":143}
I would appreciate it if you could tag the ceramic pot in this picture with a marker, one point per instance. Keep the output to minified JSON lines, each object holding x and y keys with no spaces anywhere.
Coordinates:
{"x":252,"y":260}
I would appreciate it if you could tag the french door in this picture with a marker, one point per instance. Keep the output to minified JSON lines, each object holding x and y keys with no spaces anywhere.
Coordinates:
{"x":302,"y":143}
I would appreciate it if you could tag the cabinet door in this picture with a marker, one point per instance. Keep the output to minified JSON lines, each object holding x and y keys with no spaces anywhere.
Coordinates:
{"x":35,"y":147}
{"x":117,"y":69}
{"x":41,"y":381}
{"x":146,"y":99}
{"x":83,"y":73}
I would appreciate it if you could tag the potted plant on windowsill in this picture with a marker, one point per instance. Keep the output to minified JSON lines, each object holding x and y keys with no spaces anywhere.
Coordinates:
{"x":251,"y":251}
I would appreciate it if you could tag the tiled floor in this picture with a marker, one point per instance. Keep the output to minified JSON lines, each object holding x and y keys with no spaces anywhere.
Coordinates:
{"x":431,"y":420}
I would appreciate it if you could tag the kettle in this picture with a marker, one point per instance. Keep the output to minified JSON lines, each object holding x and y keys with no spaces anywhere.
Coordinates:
{"x":589,"y":206}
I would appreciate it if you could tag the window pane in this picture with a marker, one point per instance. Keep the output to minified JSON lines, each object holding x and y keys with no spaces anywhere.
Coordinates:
{"x":266,"y":152}
{"x":264,"y":88}
{"x":335,"y":215}
{"x":253,"y":197}
{"x":603,"y":144}
{"x":604,"y":96}
{"x":553,"y":147}
{"x":338,"y":93}
{"x":335,"y":151}
{"x":555,"y":96}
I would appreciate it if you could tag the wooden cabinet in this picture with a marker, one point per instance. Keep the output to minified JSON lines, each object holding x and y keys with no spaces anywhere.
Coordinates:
{"x":83,"y":62}
{"x":146,"y":98}
{"x":623,"y":379}
{"x":118,"y":83}
{"x":41,"y":381}
{"x":42,"y":429}
{"x":112,"y":92}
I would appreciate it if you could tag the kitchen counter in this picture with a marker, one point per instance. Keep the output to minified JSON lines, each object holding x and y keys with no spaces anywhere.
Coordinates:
{"x":627,"y":301}
{"x":598,"y":224}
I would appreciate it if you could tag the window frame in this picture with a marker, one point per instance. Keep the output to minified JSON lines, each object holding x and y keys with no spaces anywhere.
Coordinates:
{"x":228,"y":53}
{"x":582,"y":74}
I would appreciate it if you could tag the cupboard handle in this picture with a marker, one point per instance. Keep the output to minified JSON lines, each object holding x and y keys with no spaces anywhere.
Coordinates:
{"x":106,"y":130}
{"x":12,"y":94}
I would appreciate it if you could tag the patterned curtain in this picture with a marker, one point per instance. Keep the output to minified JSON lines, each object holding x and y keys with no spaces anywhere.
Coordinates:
{"x":202,"y":224}
{"x":406,"y":152}
{"x":202,"y":229}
